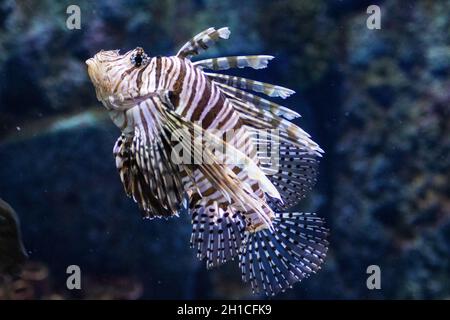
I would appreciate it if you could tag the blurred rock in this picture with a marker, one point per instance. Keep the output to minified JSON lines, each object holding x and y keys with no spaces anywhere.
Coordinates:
{"x":12,"y":251}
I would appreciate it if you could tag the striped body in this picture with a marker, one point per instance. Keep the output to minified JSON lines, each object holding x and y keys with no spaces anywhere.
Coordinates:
{"x":198,"y":99}
{"x":233,"y":194}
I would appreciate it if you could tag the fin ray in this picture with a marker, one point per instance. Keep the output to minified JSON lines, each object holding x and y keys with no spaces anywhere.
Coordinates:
{"x":225,"y":63}
{"x":257,"y":101}
{"x":202,"y":41}
{"x":274,"y":260}
{"x":268,"y":89}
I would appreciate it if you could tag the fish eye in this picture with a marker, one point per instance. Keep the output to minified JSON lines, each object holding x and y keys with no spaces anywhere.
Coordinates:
{"x":139,"y":57}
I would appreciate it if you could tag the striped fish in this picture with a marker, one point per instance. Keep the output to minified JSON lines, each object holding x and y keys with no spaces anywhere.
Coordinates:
{"x":174,"y":154}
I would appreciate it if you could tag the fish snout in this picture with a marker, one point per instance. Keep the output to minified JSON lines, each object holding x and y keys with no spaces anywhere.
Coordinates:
{"x":92,"y":69}
{"x":90,"y":66}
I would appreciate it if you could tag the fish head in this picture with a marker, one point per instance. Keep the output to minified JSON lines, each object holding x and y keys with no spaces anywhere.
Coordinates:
{"x":110,"y":73}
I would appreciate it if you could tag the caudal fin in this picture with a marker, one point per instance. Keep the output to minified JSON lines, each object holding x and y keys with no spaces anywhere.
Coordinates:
{"x":274,"y":260}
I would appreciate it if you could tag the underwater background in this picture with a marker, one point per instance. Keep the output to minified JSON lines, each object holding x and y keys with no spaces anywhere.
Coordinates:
{"x":377,"y":102}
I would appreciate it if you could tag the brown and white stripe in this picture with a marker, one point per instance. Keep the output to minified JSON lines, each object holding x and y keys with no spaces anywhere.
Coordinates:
{"x":233,"y":204}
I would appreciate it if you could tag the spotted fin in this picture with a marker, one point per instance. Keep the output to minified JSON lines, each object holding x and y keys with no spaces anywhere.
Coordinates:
{"x":273,"y":261}
{"x":295,"y":176}
{"x":217,"y":236}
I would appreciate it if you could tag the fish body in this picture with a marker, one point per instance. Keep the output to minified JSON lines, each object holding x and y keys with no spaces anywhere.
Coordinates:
{"x":12,"y":251}
{"x":201,"y":141}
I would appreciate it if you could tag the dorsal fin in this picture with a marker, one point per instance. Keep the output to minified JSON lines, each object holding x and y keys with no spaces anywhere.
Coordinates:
{"x":225,"y":63}
{"x":268,"y":89}
{"x":202,"y":42}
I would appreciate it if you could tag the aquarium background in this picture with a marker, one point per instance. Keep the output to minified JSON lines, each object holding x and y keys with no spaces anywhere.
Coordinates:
{"x":377,"y":101}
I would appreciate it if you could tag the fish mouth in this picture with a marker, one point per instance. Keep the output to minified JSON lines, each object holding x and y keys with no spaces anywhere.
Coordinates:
{"x":98,"y":78}
{"x":90,"y":69}
{"x":93,"y":69}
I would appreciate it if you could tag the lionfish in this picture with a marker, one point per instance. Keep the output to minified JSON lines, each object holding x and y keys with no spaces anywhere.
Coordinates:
{"x":237,"y":196}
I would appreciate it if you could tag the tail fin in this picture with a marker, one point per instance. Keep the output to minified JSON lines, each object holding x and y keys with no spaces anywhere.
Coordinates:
{"x":274,"y":260}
